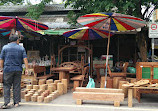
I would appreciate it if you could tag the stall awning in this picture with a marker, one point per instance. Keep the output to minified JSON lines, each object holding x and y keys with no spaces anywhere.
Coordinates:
{"x":53,"y":31}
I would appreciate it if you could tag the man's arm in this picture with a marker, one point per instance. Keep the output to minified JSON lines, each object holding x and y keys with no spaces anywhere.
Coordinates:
{"x":26,"y":65}
{"x":1,"y":64}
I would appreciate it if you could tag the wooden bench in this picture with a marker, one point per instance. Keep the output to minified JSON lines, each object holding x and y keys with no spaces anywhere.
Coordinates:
{"x":40,"y":72}
{"x":101,"y":94}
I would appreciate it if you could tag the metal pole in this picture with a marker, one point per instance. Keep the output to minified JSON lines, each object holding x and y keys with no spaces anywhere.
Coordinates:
{"x":152,"y":42}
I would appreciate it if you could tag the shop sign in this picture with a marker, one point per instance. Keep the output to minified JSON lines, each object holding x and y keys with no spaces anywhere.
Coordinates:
{"x":153,"y":30}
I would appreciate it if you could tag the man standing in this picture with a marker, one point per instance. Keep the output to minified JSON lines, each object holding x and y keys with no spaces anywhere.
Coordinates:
{"x":12,"y":57}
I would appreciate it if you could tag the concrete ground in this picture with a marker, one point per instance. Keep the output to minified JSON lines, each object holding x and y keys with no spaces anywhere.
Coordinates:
{"x":149,"y":102}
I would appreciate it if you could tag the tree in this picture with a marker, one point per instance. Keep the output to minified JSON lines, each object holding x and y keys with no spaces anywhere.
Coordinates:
{"x":130,"y":7}
{"x":34,"y":11}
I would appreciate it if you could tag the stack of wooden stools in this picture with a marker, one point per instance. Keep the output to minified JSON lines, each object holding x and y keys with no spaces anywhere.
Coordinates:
{"x":45,"y":91}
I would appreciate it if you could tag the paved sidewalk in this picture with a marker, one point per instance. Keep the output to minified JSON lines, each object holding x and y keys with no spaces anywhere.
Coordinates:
{"x":149,"y":102}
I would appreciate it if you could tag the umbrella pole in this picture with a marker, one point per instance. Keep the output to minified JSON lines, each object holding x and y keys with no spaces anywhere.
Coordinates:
{"x":107,"y":58}
{"x":106,"y":71}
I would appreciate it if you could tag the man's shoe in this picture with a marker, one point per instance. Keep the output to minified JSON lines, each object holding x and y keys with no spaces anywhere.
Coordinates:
{"x":16,"y":105}
{"x":5,"y":106}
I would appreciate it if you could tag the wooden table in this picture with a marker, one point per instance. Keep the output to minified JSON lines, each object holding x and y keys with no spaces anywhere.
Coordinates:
{"x":98,"y":67}
{"x":64,"y":72}
{"x":130,"y":93}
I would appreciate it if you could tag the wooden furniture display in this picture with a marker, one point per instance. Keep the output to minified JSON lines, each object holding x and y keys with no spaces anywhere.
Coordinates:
{"x":72,"y":64}
{"x":109,"y":82}
{"x":147,"y":70}
{"x":97,"y":68}
{"x":44,"y":92}
{"x":78,"y":79}
{"x":112,"y":74}
{"x":41,"y":69}
{"x":101,"y":94}
{"x":64,"y":72}
{"x":130,"y":93}
{"x":116,"y":74}
{"x":87,"y":54}
{"x":110,"y":62}
{"x":53,"y":64}
{"x":38,"y":72}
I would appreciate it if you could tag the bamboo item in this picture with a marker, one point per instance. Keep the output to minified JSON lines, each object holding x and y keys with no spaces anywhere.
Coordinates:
{"x":40,"y":99}
{"x":34,"y":90}
{"x":46,"y":100}
{"x":49,"y":81}
{"x":42,"y":81}
{"x":54,"y":86}
{"x":36,"y":95}
{"x":44,"y":94}
{"x":29,"y":87}
{"x":47,"y":91}
{"x":34,"y":82}
{"x":34,"y":98}
{"x":50,"y":88}
{"x":27,"y":90}
{"x":23,"y":94}
{"x":36,"y":87}
{"x":60,"y":88}
{"x":53,"y":96}
{"x":64,"y":81}
{"x":50,"y":98}
{"x":27,"y":97}
{"x":40,"y":92}
{"x":43,"y":87}
{"x":57,"y":81}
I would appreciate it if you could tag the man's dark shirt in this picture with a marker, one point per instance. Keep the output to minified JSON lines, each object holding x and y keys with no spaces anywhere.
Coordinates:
{"x":13,"y":55}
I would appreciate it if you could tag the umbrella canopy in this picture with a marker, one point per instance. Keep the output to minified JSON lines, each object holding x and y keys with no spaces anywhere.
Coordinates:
{"x":111,"y":21}
{"x":8,"y":22}
{"x":7,"y":32}
{"x":87,"y":33}
{"x":53,"y":31}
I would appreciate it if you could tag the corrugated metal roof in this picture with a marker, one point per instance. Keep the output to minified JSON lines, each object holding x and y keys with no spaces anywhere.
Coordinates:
{"x":23,"y":8}
{"x":56,"y":19}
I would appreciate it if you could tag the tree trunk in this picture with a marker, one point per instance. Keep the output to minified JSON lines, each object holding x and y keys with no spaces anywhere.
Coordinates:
{"x":142,"y":45}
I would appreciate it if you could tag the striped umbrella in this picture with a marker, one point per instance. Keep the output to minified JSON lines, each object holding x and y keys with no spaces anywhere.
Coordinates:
{"x":7,"y":32}
{"x":111,"y":22}
{"x":86,"y":33}
{"x":17,"y":23}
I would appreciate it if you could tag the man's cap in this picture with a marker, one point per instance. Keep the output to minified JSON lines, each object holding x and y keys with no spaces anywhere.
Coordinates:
{"x":13,"y":38}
